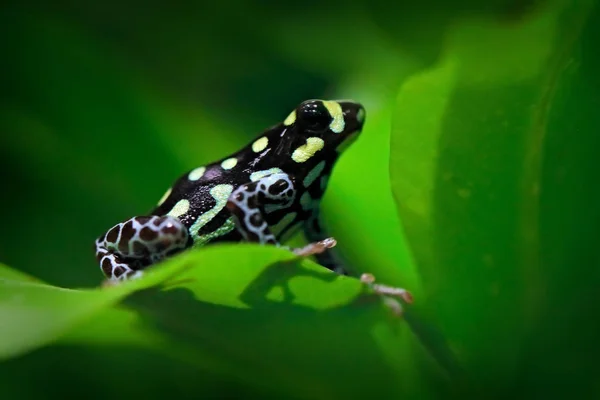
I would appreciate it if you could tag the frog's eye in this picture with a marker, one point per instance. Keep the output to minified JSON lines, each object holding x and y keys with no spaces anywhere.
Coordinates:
{"x":312,"y":115}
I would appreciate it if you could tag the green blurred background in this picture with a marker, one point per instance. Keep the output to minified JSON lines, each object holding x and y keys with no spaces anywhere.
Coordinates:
{"x":104,"y":104}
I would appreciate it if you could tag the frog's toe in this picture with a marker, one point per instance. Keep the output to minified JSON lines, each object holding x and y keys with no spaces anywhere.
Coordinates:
{"x":316,"y":247}
{"x":369,"y":280}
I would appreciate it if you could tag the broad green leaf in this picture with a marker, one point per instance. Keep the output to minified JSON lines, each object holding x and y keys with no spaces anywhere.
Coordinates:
{"x":265,"y":317}
{"x":563,"y":291}
{"x":7,"y":273}
{"x":468,"y":172}
{"x":34,"y":314}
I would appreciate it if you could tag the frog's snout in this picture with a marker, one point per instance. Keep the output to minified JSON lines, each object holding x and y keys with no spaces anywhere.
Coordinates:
{"x":354,"y":115}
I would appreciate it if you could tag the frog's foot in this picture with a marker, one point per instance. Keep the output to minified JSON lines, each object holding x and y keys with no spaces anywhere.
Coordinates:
{"x":314,"y":232}
{"x":378,"y":288}
{"x":389,"y":293}
{"x":315,"y":247}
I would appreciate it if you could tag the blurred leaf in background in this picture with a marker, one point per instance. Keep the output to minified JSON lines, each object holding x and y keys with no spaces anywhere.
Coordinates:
{"x":482,"y":191}
{"x":479,"y":147}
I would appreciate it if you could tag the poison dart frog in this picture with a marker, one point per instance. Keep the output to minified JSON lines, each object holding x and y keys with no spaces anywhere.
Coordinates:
{"x":263,"y":193}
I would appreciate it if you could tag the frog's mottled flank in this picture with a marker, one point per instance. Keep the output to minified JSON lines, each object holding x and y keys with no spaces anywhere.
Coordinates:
{"x":263,"y":193}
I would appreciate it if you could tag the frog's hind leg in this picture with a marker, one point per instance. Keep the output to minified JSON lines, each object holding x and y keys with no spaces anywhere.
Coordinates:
{"x":250,"y":203}
{"x":132,"y":245}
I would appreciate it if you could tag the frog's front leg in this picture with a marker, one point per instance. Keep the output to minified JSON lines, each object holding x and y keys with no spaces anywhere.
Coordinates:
{"x":314,"y":231}
{"x":249,"y":203}
{"x":130,"y":246}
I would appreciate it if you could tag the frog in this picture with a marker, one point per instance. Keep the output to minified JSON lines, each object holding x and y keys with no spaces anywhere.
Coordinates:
{"x":264,"y":193}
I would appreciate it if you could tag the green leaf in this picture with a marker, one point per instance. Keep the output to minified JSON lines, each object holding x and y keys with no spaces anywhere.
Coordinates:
{"x":470,"y":178}
{"x":15,"y":275}
{"x":272,"y":321}
{"x":34,"y":314}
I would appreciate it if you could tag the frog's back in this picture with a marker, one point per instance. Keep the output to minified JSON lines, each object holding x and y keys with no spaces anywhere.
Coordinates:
{"x":198,"y":198}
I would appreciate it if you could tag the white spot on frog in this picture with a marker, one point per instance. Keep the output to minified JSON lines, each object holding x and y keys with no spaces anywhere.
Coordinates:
{"x":290,"y":119}
{"x":229,"y":163}
{"x":165,"y":196}
{"x":261,"y":174}
{"x":182,"y":207}
{"x":306,"y":151}
{"x":260,"y":144}
{"x":221,"y":194}
{"x":196,"y":174}
{"x":224,"y":229}
{"x":335,"y":110}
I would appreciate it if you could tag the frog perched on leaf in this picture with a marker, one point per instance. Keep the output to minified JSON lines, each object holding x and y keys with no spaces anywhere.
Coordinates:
{"x":263,"y":193}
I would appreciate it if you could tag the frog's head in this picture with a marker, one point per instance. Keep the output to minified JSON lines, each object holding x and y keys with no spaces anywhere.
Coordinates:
{"x":332,"y":121}
{"x":324,"y":125}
